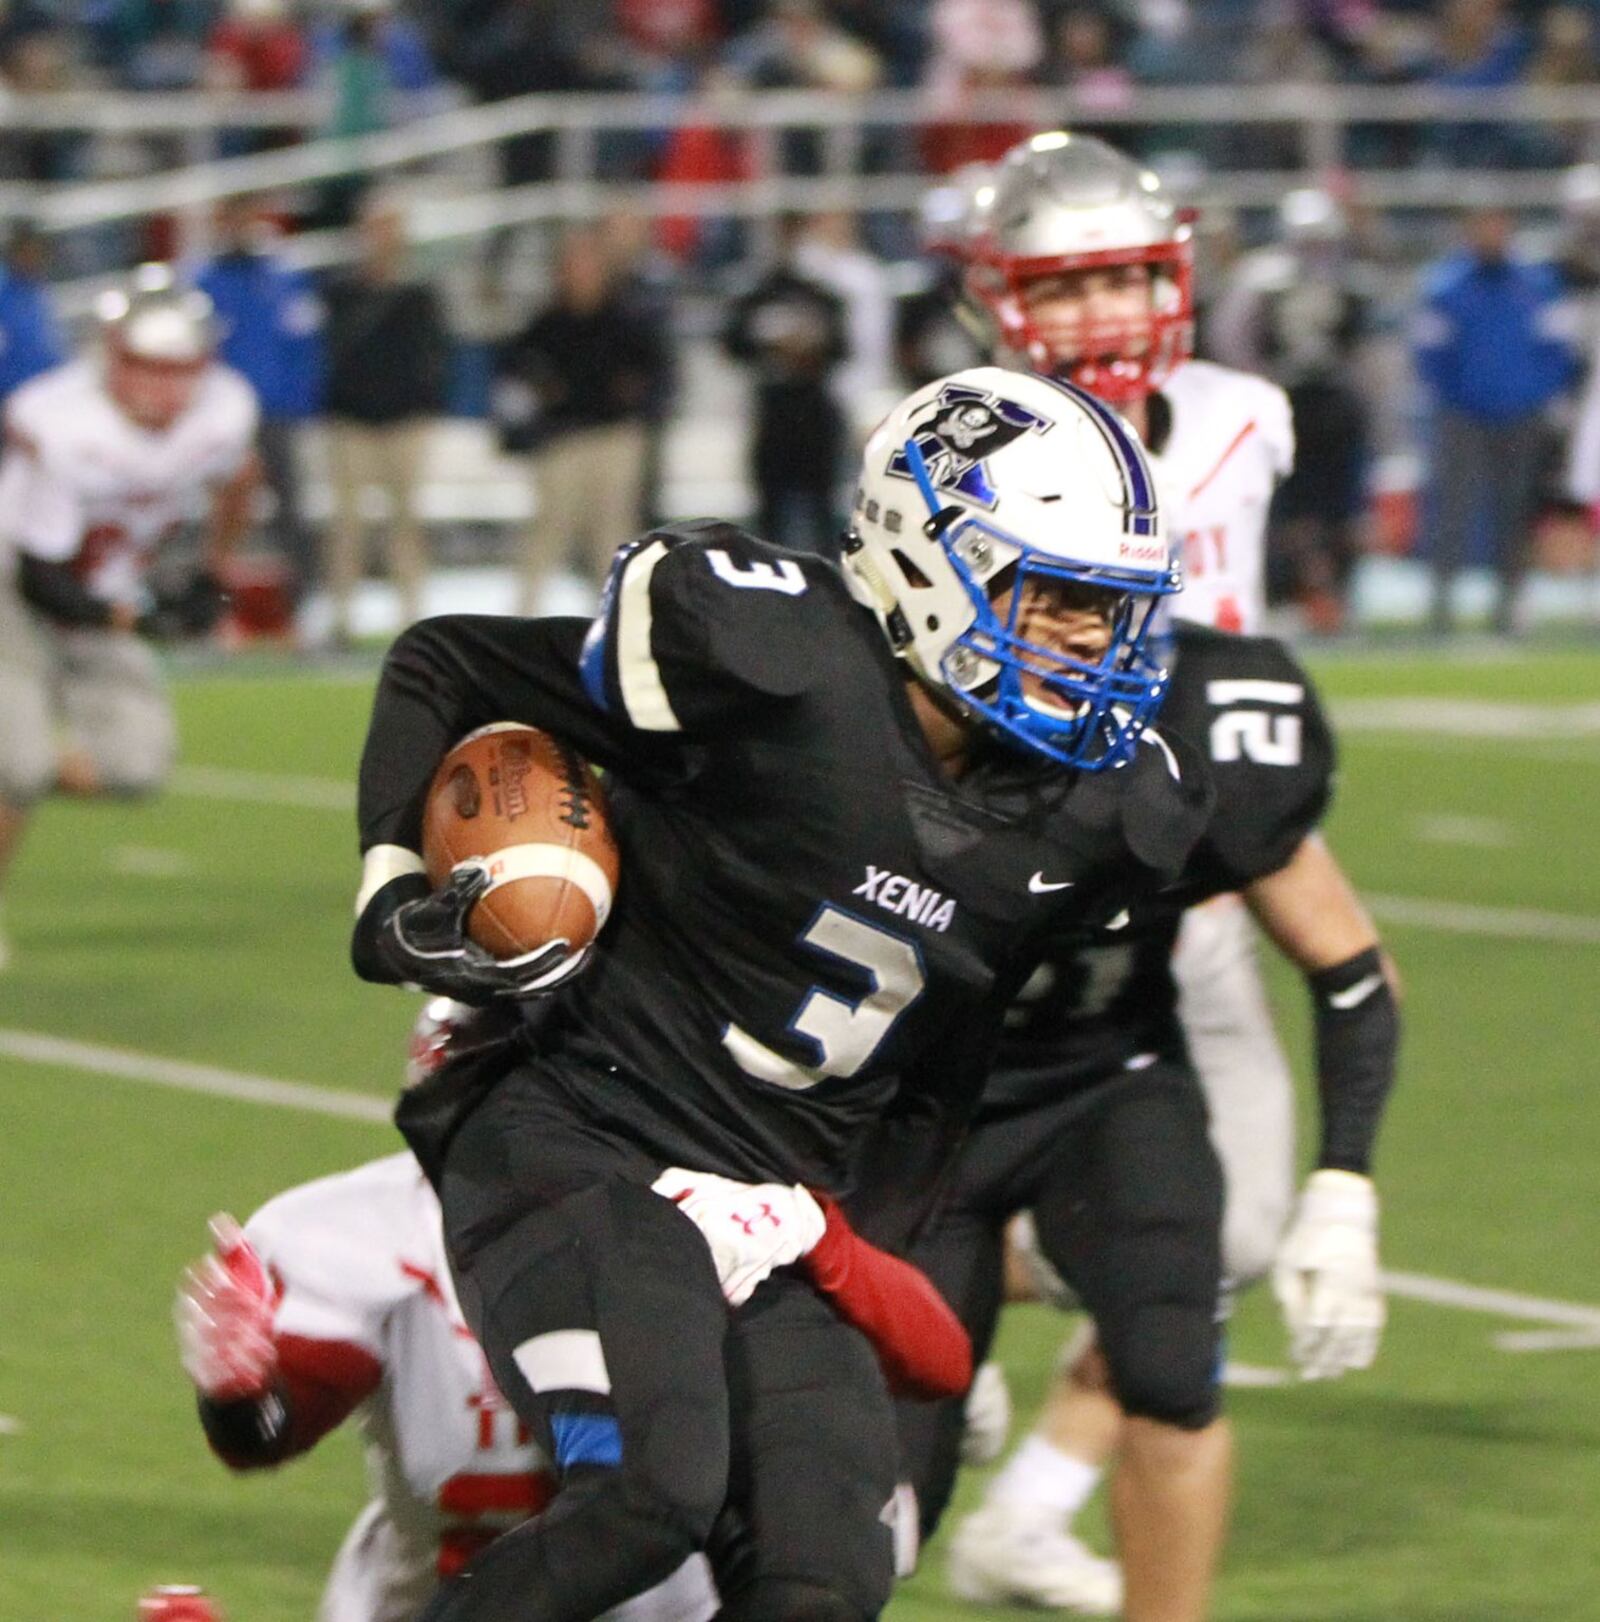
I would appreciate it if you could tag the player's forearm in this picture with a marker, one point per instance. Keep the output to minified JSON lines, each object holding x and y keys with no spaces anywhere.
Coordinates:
{"x":57,"y":593}
{"x":290,"y":1418}
{"x":924,"y":1350}
{"x":232,"y":508}
{"x":1357,"y":1017}
{"x":442,"y":679}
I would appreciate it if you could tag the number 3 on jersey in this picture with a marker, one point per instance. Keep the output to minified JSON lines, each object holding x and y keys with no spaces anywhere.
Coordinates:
{"x":845,"y":1034}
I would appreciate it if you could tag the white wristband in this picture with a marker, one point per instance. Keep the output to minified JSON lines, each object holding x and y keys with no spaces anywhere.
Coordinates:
{"x":381,"y":864}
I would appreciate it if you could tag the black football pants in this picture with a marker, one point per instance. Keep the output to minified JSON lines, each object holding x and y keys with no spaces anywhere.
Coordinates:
{"x":599,"y":1309}
{"x":1126,"y":1195}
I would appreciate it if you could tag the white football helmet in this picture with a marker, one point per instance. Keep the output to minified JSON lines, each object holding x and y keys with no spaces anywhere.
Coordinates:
{"x":159,"y":339}
{"x":972,"y":487}
{"x":1063,"y":203}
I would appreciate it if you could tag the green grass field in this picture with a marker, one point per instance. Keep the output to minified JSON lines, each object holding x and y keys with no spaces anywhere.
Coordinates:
{"x":1455,"y":1483}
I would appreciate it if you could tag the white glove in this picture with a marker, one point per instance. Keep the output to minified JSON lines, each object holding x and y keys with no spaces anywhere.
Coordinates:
{"x":750,"y":1227}
{"x":223,"y":1316}
{"x":1326,"y":1276}
{"x":986,"y":1418}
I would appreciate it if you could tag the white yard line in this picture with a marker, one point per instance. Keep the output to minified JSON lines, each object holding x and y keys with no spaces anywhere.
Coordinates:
{"x":32,"y":1047}
{"x":263,"y":788}
{"x":1497,"y":923}
{"x":1579,"y":1324}
{"x":1474,"y":718}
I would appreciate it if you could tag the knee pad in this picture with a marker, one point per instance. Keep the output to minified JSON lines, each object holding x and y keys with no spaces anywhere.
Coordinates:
{"x":790,"y":1599}
{"x":1164,"y":1363}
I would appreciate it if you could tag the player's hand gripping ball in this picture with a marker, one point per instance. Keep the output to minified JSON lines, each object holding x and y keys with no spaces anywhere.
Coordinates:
{"x":523,"y":806}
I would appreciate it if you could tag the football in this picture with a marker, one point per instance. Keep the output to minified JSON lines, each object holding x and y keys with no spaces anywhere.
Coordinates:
{"x":533,"y":810}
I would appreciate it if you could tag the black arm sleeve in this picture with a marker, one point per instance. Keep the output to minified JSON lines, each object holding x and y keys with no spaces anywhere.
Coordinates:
{"x":249,"y":1434}
{"x":444,"y":678}
{"x":1358,"y":1041}
{"x":58,"y":594}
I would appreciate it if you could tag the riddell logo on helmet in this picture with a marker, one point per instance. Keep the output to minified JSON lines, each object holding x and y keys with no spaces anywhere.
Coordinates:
{"x":1149,"y":552}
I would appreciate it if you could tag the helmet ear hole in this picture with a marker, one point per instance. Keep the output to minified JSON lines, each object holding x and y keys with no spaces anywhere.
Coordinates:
{"x":913,"y":575}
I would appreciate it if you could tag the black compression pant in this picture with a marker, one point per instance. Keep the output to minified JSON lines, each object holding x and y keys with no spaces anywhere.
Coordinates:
{"x":600,"y":1312}
{"x":1126,"y":1195}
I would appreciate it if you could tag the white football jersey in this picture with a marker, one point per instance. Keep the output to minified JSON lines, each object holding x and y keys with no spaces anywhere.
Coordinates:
{"x":1230,"y":443}
{"x":358,"y":1260}
{"x":84,"y":485}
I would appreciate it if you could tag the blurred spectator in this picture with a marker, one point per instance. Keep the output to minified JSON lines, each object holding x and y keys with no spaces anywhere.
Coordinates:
{"x":1493,"y":347}
{"x":154,"y":44}
{"x":386,"y":355}
{"x":506,"y":48}
{"x":799,"y":47}
{"x":647,"y":284}
{"x":1564,"y":58}
{"x":258,"y":45}
{"x":577,"y":388}
{"x":793,"y":332}
{"x":1480,"y":47}
{"x":1299,"y":312}
{"x":1085,"y":57}
{"x":696,"y":153}
{"x":937,"y":330}
{"x":272,"y":333}
{"x":30,"y":336}
{"x":980,"y":47}
{"x":36,"y":62}
{"x":828,"y":252}
{"x":376,"y":72}
{"x":1582,"y":482}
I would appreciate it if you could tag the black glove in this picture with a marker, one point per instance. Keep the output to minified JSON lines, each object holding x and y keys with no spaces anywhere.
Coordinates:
{"x":421,"y":939}
{"x":191,"y":609}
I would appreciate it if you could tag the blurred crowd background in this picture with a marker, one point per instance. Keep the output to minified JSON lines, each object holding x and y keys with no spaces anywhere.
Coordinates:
{"x":514,"y":277}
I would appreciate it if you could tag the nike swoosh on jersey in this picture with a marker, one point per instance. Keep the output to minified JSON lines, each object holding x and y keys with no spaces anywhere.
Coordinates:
{"x":1040,"y":885}
{"x":1354,"y":996}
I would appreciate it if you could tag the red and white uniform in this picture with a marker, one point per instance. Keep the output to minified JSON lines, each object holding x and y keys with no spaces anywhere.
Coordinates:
{"x":1231,"y":442}
{"x":364,"y":1293}
{"x":82,"y":484}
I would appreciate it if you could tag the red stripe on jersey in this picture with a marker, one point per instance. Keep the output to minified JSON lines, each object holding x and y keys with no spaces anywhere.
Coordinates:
{"x":525,"y":1492}
{"x":338,"y":1365}
{"x":1238,"y":439}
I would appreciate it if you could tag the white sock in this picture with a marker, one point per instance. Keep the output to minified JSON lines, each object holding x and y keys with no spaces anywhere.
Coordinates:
{"x":1039,"y":1476}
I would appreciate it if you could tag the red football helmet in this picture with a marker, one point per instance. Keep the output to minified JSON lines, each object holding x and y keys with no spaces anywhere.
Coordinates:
{"x":178,"y":1602}
{"x":1066,"y":204}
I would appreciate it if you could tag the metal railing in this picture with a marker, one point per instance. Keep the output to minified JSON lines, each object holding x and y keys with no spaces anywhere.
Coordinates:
{"x":851,"y":136}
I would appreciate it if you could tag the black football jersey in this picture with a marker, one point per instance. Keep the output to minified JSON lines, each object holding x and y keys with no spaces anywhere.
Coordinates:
{"x":811,"y":917}
{"x":1092,"y":1006}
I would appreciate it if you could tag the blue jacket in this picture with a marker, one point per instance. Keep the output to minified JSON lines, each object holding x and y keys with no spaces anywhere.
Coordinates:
{"x":30,"y":339}
{"x":272,"y":329}
{"x":1492,"y":340}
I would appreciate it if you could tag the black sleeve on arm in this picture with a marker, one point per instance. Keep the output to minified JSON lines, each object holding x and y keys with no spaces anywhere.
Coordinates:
{"x":58,"y":594}
{"x":1358,"y":1041}
{"x":250,"y":1434}
{"x":445,"y":677}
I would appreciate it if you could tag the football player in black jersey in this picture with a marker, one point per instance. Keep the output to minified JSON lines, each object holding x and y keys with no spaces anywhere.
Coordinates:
{"x":850,"y":816}
{"x":1094,"y":1122}
{"x":1094,"y":208}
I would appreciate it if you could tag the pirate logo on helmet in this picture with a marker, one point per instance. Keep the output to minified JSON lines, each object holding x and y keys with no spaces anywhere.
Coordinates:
{"x":965,"y":427}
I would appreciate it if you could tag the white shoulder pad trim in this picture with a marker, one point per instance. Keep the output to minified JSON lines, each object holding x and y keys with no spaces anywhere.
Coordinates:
{"x":643,"y":694}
